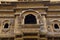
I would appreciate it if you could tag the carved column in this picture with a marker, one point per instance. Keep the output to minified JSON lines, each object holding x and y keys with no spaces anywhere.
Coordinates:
{"x":44,"y":25}
{"x":16,"y":23}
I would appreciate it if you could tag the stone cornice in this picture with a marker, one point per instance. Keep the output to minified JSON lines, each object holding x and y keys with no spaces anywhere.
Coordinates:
{"x":6,"y":10}
{"x":41,"y":7}
{"x":52,"y":3}
{"x":7,"y":16}
{"x":45,"y":6}
{"x":6,"y":3}
{"x":16,"y":2}
{"x":53,"y":16}
{"x":52,"y":10}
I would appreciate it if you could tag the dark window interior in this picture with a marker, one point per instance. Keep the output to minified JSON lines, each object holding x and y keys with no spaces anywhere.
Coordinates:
{"x":42,"y":36}
{"x":18,"y":36}
{"x":57,"y":38}
{"x":6,"y":38}
{"x":30,"y":39}
{"x":6,"y":25}
{"x":56,"y":26}
{"x":30,"y":19}
{"x":30,"y":34}
{"x":11,"y":38}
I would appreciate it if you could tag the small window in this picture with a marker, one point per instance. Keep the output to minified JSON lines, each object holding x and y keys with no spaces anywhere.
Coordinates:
{"x":6,"y":25}
{"x":56,"y":26}
{"x":30,"y":19}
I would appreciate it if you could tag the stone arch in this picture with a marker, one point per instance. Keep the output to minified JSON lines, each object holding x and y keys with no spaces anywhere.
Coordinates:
{"x":6,"y":24}
{"x":27,"y":12}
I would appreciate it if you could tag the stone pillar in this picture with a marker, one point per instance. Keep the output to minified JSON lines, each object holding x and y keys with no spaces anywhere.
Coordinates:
{"x":16,"y":24}
{"x":44,"y":25}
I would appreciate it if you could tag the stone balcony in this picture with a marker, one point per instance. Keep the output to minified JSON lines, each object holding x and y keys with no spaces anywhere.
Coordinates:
{"x":30,"y":26}
{"x":33,"y":28}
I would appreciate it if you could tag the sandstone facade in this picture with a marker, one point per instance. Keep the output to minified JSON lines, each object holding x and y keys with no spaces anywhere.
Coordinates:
{"x":29,"y":20}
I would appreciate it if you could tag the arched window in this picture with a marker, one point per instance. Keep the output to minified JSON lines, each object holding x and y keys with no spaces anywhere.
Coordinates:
{"x":6,"y":25}
{"x":56,"y":26}
{"x":30,"y":19}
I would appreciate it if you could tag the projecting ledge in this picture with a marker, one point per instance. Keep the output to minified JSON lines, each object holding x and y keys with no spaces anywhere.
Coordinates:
{"x":54,"y":10}
{"x":6,"y":35}
{"x":53,"y":34}
{"x":41,"y":7}
{"x":6,"y":10}
{"x":30,"y":26}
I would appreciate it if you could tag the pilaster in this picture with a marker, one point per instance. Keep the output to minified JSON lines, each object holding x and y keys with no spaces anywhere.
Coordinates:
{"x":44,"y":24}
{"x":16,"y":23}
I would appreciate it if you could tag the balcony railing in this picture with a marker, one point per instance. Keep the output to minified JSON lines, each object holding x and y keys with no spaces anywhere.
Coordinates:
{"x":31,"y":37}
{"x":30,"y":26}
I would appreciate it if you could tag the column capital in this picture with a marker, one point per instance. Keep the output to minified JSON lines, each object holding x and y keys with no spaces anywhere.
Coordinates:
{"x":43,"y":13}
